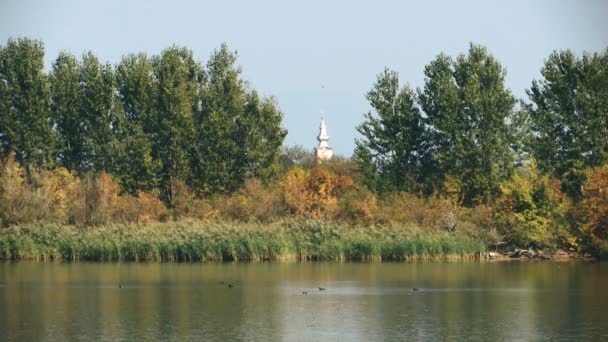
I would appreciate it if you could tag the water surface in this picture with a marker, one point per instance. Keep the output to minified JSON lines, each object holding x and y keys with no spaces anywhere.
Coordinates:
{"x":362,"y":302}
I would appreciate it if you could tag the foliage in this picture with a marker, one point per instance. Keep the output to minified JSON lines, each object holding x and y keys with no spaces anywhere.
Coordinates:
{"x":60,"y":196}
{"x":179,"y":86}
{"x":469,"y":110}
{"x":25,"y":125}
{"x":532,"y":209}
{"x":313,"y":193}
{"x":137,"y":167}
{"x":238,"y":133}
{"x":394,"y":144}
{"x":569,"y":115}
{"x":592,"y":211}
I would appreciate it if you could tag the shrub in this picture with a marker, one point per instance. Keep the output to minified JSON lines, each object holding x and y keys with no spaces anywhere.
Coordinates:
{"x":531,"y":211}
{"x":591,"y":213}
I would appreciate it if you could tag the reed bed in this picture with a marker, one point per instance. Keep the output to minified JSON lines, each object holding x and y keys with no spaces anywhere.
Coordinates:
{"x":194,"y":241}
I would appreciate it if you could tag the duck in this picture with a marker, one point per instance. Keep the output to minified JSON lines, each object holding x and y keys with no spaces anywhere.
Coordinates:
{"x":415,"y":289}
{"x":120,"y":286}
{"x":304,"y":292}
{"x":321,"y":289}
{"x":230,"y":285}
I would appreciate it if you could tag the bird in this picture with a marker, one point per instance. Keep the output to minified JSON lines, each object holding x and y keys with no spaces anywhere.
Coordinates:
{"x":120,"y":286}
{"x":321,"y":289}
{"x":415,"y":289}
{"x":230,"y":285}
{"x":304,"y":292}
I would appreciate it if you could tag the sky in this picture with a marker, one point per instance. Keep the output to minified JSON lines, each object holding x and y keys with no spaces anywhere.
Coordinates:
{"x":318,"y":55}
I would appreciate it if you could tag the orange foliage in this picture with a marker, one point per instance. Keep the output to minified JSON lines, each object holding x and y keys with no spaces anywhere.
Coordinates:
{"x":314,"y":193}
{"x":592,"y":210}
{"x":253,"y":203}
{"x":187,"y":205}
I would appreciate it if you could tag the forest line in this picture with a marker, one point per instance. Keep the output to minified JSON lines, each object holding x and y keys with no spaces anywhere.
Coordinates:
{"x":164,"y":137}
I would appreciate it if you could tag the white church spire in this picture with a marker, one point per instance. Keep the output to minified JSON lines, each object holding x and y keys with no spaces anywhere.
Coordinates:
{"x":323,"y":151}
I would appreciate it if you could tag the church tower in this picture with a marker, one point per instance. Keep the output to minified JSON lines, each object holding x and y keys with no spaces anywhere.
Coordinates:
{"x":323,"y":151}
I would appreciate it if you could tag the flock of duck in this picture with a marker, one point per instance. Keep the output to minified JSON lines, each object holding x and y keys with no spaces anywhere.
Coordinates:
{"x":230,"y":285}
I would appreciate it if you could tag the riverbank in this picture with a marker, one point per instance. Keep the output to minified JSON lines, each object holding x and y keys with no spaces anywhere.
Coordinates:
{"x":191,"y":241}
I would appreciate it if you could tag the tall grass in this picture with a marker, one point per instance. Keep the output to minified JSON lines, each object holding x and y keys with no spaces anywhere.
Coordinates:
{"x":197,"y":241}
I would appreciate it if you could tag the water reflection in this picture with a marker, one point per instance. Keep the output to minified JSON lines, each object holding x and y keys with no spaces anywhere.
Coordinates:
{"x":472,"y":301}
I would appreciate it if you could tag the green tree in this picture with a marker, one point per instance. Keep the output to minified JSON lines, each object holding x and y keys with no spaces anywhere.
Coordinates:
{"x":470,"y":112}
{"x":65,"y":110}
{"x":137,"y":169}
{"x":25,"y":124}
{"x":179,"y":79}
{"x":569,"y":115}
{"x":238,"y":133}
{"x":100,"y":111}
{"x":393,"y":149}
{"x":259,"y":135}
{"x":216,"y":153}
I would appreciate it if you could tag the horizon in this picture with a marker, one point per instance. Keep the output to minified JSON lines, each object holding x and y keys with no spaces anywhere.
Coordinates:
{"x":312,"y":68}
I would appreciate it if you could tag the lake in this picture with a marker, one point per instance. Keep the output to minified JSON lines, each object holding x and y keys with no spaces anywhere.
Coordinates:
{"x":506,"y":300}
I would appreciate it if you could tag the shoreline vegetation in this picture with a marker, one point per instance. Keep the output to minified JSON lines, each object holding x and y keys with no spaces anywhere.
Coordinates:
{"x":289,"y":240}
{"x":192,"y":241}
{"x":166,"y":158}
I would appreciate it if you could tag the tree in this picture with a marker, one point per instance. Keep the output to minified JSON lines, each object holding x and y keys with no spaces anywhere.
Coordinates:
{"x":259,"y":135}
{"x":569,"y":114}
{"x":25,"y":104}
{"x":65,"y":110}
{"x":238,"y":133}
{"x":100,"y":112}
{"x":394,"y":137}
{"x":137,"y":168}
{"x":470,"y":113}
{"x":179,"y":80}
{"x":216,"y":151}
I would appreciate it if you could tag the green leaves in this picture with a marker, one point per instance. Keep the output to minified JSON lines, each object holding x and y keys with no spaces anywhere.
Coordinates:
{"x":569,"y":115}
{"x":470,"y":111}
{"x":151,"y":122}
{"x":238,"y":133}
{"x":394,"y":137}
{"x":460,"y":126}
{"x":178,"y":82}
{"x":24,"y":103}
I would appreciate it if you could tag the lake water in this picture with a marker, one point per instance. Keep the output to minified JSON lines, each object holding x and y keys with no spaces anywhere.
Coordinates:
{"x":491,"y":301}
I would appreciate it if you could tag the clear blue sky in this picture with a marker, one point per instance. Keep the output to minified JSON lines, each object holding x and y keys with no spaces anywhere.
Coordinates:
{"x":318,"y":55}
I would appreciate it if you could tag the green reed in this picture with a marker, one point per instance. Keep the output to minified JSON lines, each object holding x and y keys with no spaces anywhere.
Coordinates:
{"x":188,"y":241}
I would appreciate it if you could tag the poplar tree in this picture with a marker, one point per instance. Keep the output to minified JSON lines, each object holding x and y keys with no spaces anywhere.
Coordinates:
{"x":179,"y":80}
{"x":393,"y":149}
{"x":137,"y":168}
{"x":569,"y":115}
{"x":259,"y":135}
{"x":470,"y":111}
{"x":238,"y":133}
{"x":100,"y":113}
{"x":25,"y":124}
{"x":215,"y":163}
{"x":65,"y":110}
